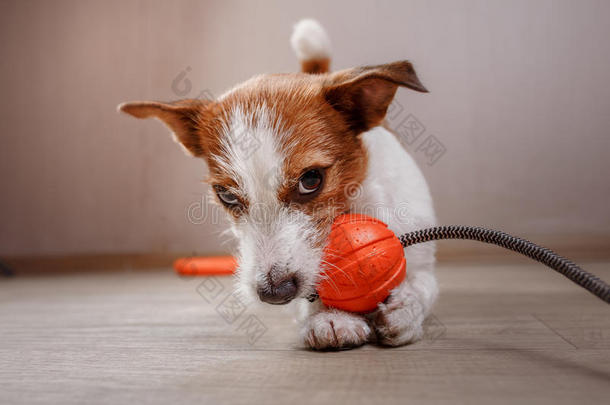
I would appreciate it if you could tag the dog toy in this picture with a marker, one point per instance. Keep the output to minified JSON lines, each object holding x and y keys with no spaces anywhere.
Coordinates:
{"x":364,"y":260}
{"x":205,"y":266}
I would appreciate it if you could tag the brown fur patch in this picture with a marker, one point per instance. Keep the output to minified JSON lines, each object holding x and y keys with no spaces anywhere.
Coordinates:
{"x":320,"y":116}
{"x":315,"y":66}
{"x":317,"y":137}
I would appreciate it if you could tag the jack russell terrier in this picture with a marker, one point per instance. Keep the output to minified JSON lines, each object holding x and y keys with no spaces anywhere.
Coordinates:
{"x":321,"y":151}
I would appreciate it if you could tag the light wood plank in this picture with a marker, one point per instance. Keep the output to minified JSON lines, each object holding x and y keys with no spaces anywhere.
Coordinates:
{"x":499,"y":334}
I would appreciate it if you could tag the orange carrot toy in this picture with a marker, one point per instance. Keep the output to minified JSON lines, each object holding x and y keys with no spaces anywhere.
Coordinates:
{"x":205,"y":266}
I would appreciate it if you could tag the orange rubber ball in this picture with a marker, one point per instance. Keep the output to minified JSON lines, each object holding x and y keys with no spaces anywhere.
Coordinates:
{"x":364,"y":261}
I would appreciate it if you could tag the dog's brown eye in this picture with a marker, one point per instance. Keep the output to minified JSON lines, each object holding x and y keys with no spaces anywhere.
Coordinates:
{"x":226,"y":196}
{"x":310,"y":182}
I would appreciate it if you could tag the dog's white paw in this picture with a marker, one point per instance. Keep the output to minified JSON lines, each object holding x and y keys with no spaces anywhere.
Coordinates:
{"x":399,"y":321}
{"x":335,"y":329}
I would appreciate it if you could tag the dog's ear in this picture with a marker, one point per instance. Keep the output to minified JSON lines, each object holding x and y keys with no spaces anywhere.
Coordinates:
{"x":182,"y":117}
{"x":363,"y":94}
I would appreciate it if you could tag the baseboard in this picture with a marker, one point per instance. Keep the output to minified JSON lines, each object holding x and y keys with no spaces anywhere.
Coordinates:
{"x":33,"y":265}
{"x":578,"y":249}
{"x":575,"y":248}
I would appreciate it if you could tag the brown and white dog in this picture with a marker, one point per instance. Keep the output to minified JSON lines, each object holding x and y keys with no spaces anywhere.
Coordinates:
{"x":319,"y":151}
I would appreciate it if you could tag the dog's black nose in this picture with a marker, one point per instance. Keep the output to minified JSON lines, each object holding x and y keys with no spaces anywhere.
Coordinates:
{"x":280,"y":291}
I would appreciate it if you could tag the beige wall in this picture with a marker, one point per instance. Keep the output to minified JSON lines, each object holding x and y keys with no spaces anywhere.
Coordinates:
{"x":519,"y":97}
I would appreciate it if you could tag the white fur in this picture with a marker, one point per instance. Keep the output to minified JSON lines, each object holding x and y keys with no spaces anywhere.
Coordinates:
{"x":251,"y":153}
{"x":335,"y":329}
{"x":310,"y":41}
{"x":269,"y":233}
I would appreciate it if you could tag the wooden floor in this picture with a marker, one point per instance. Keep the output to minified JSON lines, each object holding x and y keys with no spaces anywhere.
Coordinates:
{"x":499,"y":334}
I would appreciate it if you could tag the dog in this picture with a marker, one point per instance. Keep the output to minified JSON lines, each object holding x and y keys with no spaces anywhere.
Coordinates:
{"x":319,"y":150}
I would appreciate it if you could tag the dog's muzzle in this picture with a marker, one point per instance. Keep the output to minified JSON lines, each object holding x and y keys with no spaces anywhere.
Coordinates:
{"x":278,"y":290}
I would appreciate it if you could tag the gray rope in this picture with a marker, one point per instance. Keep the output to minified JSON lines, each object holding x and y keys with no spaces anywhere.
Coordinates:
{"x":546,"y":256}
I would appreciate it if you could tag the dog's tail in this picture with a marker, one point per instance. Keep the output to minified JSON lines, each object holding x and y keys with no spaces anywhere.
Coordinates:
{"x":312,"y":46}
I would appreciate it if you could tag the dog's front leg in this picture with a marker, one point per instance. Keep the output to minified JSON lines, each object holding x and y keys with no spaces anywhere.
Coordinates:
{"x":327,"y":328}
{"x":399,"y":320}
